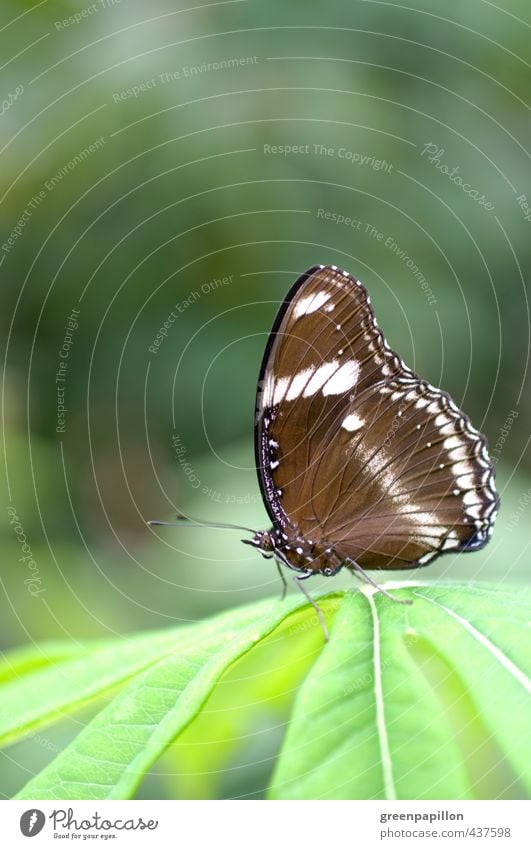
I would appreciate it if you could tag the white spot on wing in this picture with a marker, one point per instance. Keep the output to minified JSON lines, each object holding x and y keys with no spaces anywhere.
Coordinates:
{"x":450,"y":429}
{"x":268,"y":389}
{"x":297,"y":384}
{"x":311,"y":304}
{"x":452,"y":442}
{"x":460,"y":453}
{"x":345,"y":378}
{"x":352,"y":422}
{"x":319,"y":378}
{"x":280,"y":388}
{"x":425,"y":557}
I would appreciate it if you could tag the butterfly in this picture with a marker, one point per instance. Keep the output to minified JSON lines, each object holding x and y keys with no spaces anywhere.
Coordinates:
{"x":361,"y":463}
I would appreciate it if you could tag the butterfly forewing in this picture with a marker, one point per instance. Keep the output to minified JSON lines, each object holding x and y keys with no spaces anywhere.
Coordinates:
{"x":353,"y":448}
{"x":324,"y":340}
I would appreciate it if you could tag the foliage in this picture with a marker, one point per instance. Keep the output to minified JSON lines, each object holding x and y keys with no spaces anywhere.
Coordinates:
{"x":427,"y":701}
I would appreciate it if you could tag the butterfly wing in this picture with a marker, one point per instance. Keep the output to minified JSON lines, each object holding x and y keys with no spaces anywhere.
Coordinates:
{"x":352,"y":447}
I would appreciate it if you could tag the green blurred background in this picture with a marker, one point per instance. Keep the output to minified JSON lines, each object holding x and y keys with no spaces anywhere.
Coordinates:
{"x":140,"y":181}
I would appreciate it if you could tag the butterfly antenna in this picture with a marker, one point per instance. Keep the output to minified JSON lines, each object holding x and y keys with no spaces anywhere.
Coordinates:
{"x":198,"y":523}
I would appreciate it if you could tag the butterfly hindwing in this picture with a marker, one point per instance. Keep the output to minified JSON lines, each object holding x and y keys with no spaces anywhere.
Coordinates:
{"x":402,"y":477}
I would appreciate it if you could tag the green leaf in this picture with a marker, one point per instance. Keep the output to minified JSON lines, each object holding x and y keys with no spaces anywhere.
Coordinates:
{"x":109,"y":758}
{"x":429,"y":701}
{"x":37,"y":695}
{"x":230,"y":747}
{"x":22,"y":660}
{"x":38,"y":690}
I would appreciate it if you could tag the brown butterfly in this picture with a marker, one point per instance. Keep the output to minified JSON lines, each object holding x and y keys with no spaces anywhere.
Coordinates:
{"x":361,"y":463}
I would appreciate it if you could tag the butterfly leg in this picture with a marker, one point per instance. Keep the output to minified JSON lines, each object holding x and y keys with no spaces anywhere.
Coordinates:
{"x":362,"y":575}
{"x":297,"y":579}
{"x":283,"y":579}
